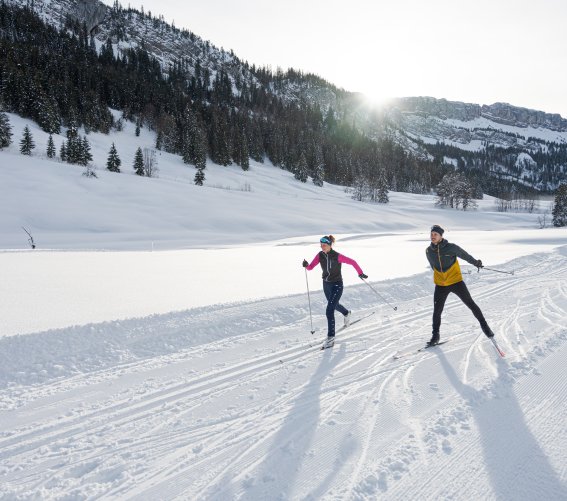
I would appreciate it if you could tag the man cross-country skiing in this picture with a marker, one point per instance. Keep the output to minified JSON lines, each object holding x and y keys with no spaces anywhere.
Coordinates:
{"x":442,"y":257}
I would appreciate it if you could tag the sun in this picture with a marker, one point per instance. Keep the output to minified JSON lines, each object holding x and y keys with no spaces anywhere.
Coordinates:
{"x":377,"y":99}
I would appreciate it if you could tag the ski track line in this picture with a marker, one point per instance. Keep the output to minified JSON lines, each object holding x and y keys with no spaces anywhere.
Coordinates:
{"x":370,"y":425}
{"x":129,"y":416}
{"x":450,"y":460}
{"x":138,"y":410}
{"x":248,"y":460}
{"x":128,"y":404}
{"x":329,"y":401}
{"x":130,"y":447}
{"x":465,"y":452}
{"x":353,"y":387}
{"x":129,"y":422}
{"x":248,"y":368}
{"x":467,"y":358}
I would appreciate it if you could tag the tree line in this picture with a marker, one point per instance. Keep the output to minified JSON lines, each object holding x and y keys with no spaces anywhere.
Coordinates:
{"x":58,"y":79}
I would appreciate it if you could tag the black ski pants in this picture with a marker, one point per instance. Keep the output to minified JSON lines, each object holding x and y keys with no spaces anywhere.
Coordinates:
{"x":440,"y":296}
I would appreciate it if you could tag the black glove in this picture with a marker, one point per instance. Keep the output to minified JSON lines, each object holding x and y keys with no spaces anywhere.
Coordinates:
{"x":478,"y":264}
{"x":305,"y":263}
{"x":362,"y":275}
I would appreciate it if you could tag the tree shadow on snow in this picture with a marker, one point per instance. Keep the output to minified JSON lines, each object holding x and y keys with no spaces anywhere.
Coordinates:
{"x":517,"y":466}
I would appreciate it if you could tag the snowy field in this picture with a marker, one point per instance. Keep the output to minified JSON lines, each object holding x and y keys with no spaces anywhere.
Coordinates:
{"x":157,"y":345}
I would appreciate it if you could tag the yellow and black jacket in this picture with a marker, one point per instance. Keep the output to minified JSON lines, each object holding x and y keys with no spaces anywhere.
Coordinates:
{"x":443,"y":261}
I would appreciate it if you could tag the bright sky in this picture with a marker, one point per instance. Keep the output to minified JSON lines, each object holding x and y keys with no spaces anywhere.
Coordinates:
{"x":482,"y":52}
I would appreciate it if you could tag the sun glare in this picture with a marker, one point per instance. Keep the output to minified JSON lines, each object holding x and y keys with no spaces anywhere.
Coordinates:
{"x":376,"y":99}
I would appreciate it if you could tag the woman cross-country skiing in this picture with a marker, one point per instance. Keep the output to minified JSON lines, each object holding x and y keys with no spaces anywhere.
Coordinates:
{"x":331,"y":262}
{"x":442,"y":257}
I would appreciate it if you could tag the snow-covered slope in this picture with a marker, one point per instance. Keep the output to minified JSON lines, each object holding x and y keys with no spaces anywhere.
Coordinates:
{"x":236,"y":402}
{"x":190,"y":372}
{"x":65,"y":210}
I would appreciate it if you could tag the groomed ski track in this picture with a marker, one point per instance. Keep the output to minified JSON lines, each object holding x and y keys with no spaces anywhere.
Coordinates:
{"x":235,"y":404}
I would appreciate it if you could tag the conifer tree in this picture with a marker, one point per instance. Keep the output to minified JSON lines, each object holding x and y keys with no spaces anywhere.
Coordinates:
{"x":63,"y":151}
{"x":85,"y":152}
{"x":113,"y":162}
{"x":199,"y":177}
{"x":5,"y":131}
{"x":139,"y":162}
{"x":74,"y":144}
{"x":137,"y":128}
{"x":26,"y":143}
{"x":220,"y":139}
{"x":360,"y":188}
{"x":188,"y":137}
{"x":382,"y":188}
{"x":50,"y":147}
{"x":244,"y":152}
{"x":300,"y":171}
{"x":559,"y":211}
{"x":200,"y":149}
{"x":319,"y":175}
{"x":48,"y":116}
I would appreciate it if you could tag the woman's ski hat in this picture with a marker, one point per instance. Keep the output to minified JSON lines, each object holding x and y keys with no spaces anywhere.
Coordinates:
{"x":437,"y":229}
{"x":326,"y":240}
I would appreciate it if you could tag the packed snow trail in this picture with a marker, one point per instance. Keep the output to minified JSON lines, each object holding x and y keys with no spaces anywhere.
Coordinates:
{"x":232,"y":404}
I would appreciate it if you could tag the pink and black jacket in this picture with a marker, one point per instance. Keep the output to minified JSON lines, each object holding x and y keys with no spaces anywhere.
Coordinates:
{"x":331,"y":265}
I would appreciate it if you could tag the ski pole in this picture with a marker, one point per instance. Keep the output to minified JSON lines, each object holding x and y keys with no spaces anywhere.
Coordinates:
{"x":309,"y":300}
{"x":395,"y":308}
{"x":498,"y":271}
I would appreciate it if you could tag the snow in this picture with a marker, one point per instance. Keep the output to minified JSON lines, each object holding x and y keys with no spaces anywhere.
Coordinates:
{"x":156,"y":344}
{"x":526,"y":132}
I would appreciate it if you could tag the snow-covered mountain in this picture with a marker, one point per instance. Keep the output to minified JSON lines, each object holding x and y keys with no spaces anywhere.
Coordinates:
{"x":526,"y":146}
{"x":469,"y":126}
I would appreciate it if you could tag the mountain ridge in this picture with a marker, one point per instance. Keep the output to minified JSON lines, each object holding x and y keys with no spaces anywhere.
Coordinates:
{"x":419,"y":125}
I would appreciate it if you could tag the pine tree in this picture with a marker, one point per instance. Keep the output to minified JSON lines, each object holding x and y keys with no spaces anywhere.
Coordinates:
{"x":26,"y":143}
{"x":139,"y":162}
{"x":188,"y":137}
{"x":244,"y":152}
{"x":50,"y":147}
{"x":200,"y":149}
{"x":113,"y":162}
{"x":199,"y":177}
{"x":559,"y":211}
{"x":63,"y":151}
{"x":382,"y":188}
{"x":137,"y":128}
{"x":319,"y":175}
{"x":48,"y":115}
{"x":85,"y":153}
{"x":5,"y":131}
{"x":74,"y":144}
{"x":359,"y":189}
{"x":300,"y":171}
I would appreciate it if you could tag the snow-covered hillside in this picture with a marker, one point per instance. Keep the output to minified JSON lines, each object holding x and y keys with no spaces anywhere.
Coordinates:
{"x":190,"y":372}
{"x":65,"y":210}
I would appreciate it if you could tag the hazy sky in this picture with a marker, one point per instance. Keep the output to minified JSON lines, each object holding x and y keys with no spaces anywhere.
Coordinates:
{"x":480,"y":51}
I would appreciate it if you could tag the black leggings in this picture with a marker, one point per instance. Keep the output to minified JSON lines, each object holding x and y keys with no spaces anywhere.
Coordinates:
{"x":460,"y":289}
